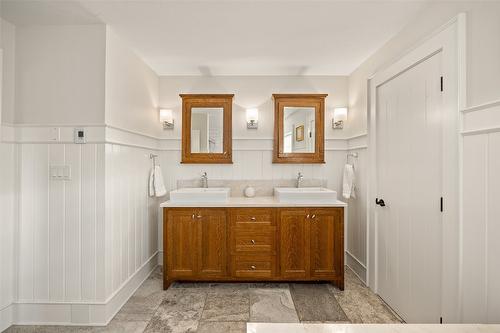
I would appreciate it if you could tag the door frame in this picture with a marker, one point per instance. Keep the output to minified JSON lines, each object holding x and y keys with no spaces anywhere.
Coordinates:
{"x":449,"y":40}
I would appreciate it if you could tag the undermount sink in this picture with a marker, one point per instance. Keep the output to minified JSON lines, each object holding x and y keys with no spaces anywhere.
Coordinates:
{"x":200,"y":194}
{"x":311,"y":195}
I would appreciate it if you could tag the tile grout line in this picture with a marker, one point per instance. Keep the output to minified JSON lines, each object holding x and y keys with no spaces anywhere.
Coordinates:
{"x":202,"y":310}
{"x":293,"y":301}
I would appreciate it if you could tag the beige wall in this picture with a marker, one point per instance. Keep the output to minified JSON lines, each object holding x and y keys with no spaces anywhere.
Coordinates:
{"x":60,"y":74}
{"x":131,"y":89}
{"x":8,"y":45}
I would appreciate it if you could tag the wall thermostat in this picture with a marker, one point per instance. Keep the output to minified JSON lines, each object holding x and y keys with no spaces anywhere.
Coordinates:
{"x":80,"y":135}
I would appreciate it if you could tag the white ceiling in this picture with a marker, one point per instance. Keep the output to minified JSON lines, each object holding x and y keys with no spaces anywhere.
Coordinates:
{"x":236,"y":37}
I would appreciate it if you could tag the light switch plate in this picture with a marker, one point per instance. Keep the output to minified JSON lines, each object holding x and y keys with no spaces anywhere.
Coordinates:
{"x":54,"y":134}
{"x":60,"y":172}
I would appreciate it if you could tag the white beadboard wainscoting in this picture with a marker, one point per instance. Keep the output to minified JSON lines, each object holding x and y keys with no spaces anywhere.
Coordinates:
{"x":131,"y":215}
{"x":357,"y":209}
{"x":79,"y":248}
{"x":8,"y":216}
{"x":61,"y":224}
{"x":480,"y":227}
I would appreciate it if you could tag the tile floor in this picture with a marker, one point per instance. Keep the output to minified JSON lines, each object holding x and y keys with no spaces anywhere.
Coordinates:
{"x":224,"y":307}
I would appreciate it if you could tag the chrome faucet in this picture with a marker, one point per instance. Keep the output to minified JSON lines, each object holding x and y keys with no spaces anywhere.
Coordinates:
{"x":300,"y":178}
{"x":204,"y":180}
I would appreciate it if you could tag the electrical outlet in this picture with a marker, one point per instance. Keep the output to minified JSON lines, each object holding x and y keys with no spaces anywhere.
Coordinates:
{"x":60,"y":172}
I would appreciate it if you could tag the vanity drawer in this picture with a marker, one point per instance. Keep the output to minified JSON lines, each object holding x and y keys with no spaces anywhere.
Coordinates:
{"x":258,"y":216}
{"x":245,"y":239}
{"x":253,"y":266}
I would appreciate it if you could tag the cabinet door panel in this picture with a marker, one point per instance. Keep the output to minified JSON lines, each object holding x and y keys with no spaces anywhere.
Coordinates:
{"x":212,"y":261}
{"x":326,"y":243}
{"x":181,"y":241}
{"x":294,"y":243}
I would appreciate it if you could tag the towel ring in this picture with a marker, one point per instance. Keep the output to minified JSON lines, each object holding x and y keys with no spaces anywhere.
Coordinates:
{"x":354,"y":155}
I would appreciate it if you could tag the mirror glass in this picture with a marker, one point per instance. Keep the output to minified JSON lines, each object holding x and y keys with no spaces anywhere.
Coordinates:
{"x":299,"y":129}
{"x":207,"y":130}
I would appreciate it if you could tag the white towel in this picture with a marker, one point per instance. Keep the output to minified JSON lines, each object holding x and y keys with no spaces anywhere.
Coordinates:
{"x":348,"y":184}
{"x":156,"y":185}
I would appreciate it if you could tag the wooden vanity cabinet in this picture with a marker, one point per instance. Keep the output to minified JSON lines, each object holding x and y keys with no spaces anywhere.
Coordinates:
{"x":294,"y":243}
{"x":326,"y":235}
{"x":312,"y":244}
{"x":254,"y":244}
{"x":195,"y":242}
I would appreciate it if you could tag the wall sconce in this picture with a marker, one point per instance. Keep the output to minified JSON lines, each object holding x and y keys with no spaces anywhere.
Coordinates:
{"x":252,"y":118}
{"x":166,"y":119}
{"x":339,"y":116}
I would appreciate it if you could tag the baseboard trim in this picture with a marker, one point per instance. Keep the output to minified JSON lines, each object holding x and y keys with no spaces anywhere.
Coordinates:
{"x":356,"y":266}
{"x":6,"y":317}
{"x":160,"y":258}
{"x":83,"y":314}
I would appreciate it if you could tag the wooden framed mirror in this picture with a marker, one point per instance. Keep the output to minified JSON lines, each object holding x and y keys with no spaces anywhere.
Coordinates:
{"x":206,"y":128}
{"x":299,"y":128}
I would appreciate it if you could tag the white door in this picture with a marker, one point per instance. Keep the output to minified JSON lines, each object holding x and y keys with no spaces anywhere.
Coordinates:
{"x":409,"y":180}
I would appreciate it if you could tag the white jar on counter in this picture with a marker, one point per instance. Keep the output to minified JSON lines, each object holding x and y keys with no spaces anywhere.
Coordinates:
{"x":249,"y":192}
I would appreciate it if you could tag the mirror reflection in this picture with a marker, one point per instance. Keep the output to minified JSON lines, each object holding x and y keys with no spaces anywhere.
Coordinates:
{"x":207,"y":130}
{"x":299,"y":130}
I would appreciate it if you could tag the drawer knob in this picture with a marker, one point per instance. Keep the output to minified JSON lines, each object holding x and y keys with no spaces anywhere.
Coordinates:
{"x":252,"y":241}
{"x":253,"y":267}
{"x":253,"y":218}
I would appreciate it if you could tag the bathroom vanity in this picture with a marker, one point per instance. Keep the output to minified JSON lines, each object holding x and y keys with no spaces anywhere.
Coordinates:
{"x":253,"y":239}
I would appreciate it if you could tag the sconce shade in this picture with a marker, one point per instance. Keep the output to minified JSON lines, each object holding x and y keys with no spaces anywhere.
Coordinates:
{"x":340,"y":114}
{"x":166,"y":115}
{"x":252,"y":114}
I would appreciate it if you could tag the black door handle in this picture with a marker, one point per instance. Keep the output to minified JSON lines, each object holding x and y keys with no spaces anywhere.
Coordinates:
{"x":380,"y":202}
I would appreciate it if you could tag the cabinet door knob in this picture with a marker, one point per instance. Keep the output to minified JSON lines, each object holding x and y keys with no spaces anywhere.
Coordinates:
{"x":253,"y":218}
{"x":307,"y":216}
{"x":252,"y":241}
{"x":192,"y":217}
{"x":253,"y":267}
{"x":199,"y":216}
{"x":313,"y":216}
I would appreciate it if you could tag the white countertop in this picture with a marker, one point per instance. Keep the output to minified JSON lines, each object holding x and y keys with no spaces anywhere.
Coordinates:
{"x":370,"y":328}
{"x":251,"y":202}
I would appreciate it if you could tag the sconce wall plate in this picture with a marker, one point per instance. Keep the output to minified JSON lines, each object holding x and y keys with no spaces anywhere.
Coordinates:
{"x":252,"y":124}
{"x":168,"y":126}
{"x":339,"y":124}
